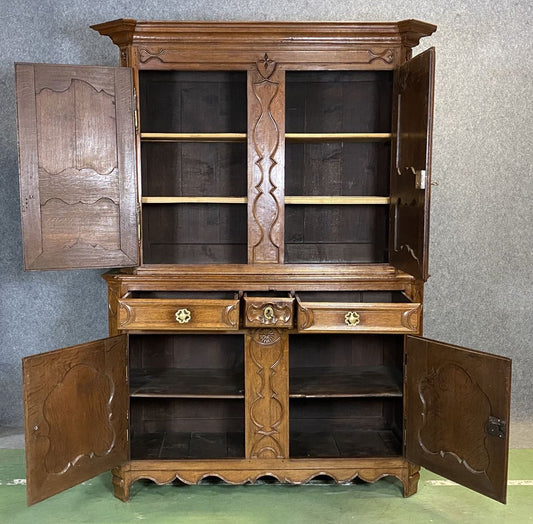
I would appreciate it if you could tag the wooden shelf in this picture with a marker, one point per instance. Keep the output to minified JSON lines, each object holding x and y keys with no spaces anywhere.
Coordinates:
{"x":345,"y":444}
{"x":337,"y":200}
{"x":186,"y":383}
{"x":298,"y":200}
{"x":193,"y":137}
{"x":336,"y":382}
{"x":194,"y":200}
{"x":187,"y":445}
{"x":337,"y":137}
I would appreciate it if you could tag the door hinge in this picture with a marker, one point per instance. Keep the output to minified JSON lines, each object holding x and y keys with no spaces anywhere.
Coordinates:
{"x":496,"y":427}
{"x":138,"y":222}
{"x":135,"y":112}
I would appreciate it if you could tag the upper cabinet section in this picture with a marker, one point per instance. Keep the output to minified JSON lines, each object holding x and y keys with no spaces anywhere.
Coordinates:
{"x":77,"y":165}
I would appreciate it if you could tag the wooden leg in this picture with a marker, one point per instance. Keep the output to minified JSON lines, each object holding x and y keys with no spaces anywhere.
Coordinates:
{"x":121,"y":484}
{"x":410,"y":480}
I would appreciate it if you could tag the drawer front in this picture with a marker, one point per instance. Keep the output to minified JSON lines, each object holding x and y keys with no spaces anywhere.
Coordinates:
{"x":268,"y":312}
{"x":178,"y":315}
{"x":359,"y":317}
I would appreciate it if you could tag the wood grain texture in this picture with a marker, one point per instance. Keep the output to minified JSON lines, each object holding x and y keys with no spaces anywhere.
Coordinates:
{"x":76,"y":415}
{"x":267,"y":393}
{"x":266,"y":152}
{"x":268,"y":312}
{"x":77,"y":166}
{"x":164,"y":314}
{"x":243,"y":471}
{"x":371,"y":318}
{"x":411,"y":151}
{"x":234,"y":45}
{"x":450,"y":394}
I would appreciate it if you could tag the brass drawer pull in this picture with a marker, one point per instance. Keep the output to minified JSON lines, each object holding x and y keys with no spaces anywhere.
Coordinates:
{"x":183,"y":316}
{"x":351,"y":318}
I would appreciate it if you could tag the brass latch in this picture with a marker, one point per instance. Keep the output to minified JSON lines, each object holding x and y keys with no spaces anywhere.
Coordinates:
{"x":496,"y":427}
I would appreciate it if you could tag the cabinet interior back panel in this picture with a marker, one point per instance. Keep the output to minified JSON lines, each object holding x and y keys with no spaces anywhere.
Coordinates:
{"x":194,"y":233}
{"x":337,"y":168}
{"x":192,"y":102}
{"x":194,"y":169}
{"x":336,"y":233}
{"x":338,"y":101}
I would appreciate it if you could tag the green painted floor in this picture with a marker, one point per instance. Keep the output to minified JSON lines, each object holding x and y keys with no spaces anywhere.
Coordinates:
{"x":435,"y":502}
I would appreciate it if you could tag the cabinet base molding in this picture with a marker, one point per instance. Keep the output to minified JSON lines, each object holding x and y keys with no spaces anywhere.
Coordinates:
{"x":245,"y":471}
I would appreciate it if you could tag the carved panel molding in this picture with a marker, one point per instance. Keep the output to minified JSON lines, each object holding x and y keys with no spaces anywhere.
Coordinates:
{"x":267,"y":394}
{"x":266,"y":93}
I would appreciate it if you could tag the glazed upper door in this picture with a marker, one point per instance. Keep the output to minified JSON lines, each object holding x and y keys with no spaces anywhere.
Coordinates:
{"x":77,"y":166}
{"x":458,"y":405}
{"x":76,"y":415}
{"x":411,"y":165}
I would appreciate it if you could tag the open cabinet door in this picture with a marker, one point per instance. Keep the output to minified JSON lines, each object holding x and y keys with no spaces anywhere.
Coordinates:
{"x":77,"y":166}
{"x":411,"y":165}
{"x":457,"y":409}
{"x":76,"y":415}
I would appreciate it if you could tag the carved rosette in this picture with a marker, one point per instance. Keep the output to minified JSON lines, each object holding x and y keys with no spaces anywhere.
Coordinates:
{"x":267,"y":393}
{"x":266,"y":93}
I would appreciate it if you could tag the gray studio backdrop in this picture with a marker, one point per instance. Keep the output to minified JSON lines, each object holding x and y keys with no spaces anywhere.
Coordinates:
{"x":481,"y":289}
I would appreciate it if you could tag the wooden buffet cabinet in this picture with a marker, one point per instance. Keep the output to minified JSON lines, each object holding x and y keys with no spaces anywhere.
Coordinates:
{"x":265,"y":188}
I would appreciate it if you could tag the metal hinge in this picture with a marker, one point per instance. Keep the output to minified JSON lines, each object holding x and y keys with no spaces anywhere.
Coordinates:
{"x":138,"y":222}
{"x":496,"y":427}
{"x":135,"y":113}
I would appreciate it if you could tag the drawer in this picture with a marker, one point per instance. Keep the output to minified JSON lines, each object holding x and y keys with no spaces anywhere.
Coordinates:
{"x":268,"y":312}
{"x":358,"y":317}
{"x":178,"y":314}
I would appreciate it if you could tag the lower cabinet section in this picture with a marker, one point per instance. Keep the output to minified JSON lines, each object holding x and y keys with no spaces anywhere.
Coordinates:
{"x":265,"y":402}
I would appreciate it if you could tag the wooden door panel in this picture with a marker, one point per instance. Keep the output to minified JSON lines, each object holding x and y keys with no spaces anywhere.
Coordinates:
{"x":458,"y":407}
{"x":76,"y":409}
{"x":411,"y":164}
{"x":77,"y":166}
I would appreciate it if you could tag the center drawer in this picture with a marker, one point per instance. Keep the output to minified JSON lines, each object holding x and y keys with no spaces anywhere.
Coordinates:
{"x":179,"y":313}
{"x":362,"y":312}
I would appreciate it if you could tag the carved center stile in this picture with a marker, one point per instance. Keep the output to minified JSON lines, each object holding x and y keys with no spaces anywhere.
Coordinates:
{"x":267,"y":228}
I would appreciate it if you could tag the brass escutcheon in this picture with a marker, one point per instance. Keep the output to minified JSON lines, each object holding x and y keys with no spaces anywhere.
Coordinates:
{"x":268,"y":312}
{"x":351,"y":318}
{"x":183,"y":316}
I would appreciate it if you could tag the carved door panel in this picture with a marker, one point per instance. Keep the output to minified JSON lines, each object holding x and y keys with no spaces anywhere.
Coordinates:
{"x":76,"y":415}
{"x":458,"y":405}
{"x":77,"y":166}
{"x":411,"y":165}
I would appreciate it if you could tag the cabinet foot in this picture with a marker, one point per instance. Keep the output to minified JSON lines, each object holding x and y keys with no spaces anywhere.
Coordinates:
{"x":410,"y":480}
{"x":121,"y":484}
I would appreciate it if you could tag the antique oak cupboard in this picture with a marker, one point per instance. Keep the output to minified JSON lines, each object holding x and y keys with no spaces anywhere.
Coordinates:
{"x":265,"y":188}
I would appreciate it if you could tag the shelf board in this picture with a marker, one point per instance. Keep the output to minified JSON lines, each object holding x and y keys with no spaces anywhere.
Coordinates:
{"x":335,"y":382}
{"x":289,"y":137}
{"x":187,"y":445}
{"x":194,"y":200}
{"x":298,"y":200}
{"x":338,"y":200}
{"x":337,"y":137}
{"x":186,"y":383}
{"x":193,"y":137}
{"x":344,"y":444}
